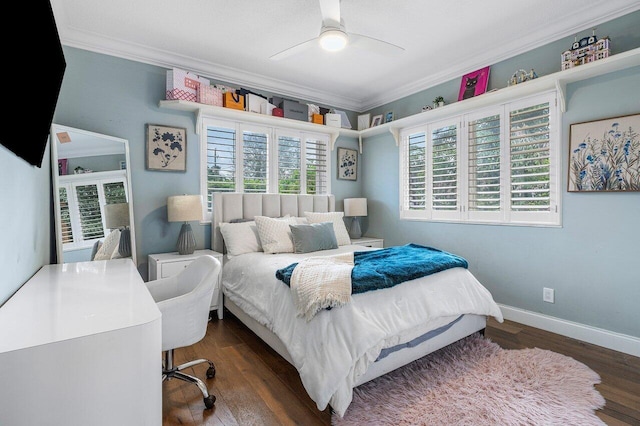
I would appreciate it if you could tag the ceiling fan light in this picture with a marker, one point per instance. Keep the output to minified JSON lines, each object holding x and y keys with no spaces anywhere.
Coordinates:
{"x":333,"y":40}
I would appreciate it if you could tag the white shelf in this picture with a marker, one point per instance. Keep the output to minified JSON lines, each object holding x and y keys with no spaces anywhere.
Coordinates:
{"x":233,"y":114}
{"x":558,"y":80}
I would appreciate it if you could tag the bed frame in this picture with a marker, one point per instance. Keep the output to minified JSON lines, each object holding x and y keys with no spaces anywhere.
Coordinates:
{"x":230,"y":206}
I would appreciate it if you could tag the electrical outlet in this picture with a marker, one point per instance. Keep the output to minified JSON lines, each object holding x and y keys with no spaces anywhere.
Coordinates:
{"x":547,"y":295}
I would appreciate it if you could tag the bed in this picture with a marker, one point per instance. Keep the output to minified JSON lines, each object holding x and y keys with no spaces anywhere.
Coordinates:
{"x":340,"y":348}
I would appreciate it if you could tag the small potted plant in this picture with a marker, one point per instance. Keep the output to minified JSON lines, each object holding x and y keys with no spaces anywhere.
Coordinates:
{"x":438,"y":102}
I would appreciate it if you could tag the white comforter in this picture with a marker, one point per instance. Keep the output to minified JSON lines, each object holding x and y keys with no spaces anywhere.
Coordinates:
{"x":333,"y":349}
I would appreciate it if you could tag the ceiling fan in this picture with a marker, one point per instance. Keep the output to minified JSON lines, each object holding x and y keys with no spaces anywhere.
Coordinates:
{"x":333,"y":36}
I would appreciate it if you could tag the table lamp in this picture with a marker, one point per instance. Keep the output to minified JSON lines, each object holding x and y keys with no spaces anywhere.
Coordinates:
{"x":355,"y":208}
{"x":185,"y":208}
{"x":116,"y":216}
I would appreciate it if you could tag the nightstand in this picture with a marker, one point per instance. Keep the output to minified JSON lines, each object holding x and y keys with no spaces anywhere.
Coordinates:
{"x":164,"y":265}
{"x":368,"y":242}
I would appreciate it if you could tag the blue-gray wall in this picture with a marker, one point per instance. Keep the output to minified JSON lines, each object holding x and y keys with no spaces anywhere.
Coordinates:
{"x":591,"y":262}
{"x":25,"y":219}
{"x":118,"y":97}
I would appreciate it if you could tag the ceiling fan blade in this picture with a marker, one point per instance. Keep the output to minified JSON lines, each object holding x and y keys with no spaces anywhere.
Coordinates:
{"x":294,"y":50}
{"x":374,"y":45}
{"x":330,"y":10}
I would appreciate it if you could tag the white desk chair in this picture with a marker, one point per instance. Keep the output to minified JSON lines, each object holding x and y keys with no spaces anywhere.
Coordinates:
{"x":184,"y":301}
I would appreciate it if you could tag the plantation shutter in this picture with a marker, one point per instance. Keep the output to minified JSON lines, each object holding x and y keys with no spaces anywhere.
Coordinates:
{"x":114,"y":192}
{"x":221,"y":160}
{"x":89,"y":213}
{"x":444,"y":170}
{"x":65,"y":216}
{"x":289,"y":168}
{"x":316,"y":165}
{"x":415,"y":163}
{"x":484,"y":166}
{"x":255,"y":149}
{"x":530,"y":189}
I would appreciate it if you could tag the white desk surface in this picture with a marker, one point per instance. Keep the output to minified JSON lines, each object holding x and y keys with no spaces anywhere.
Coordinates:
{"x":73,"y":300}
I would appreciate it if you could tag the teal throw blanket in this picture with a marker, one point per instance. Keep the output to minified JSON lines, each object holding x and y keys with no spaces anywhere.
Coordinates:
{"x":378,"y":269}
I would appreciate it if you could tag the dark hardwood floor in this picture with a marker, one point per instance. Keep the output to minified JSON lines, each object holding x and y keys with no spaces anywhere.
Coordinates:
{"x":255,"y":386}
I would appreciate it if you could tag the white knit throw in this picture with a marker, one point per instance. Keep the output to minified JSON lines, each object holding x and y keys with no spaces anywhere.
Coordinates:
{"x":321,"y":282}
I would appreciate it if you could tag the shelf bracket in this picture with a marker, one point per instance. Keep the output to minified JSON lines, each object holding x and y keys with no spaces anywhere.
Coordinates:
{"x":396,"y":135}
{"x":561,"y":88}
{"x":198,"y":121}
{"x":332,"y":139}
{"x":360,"y":143}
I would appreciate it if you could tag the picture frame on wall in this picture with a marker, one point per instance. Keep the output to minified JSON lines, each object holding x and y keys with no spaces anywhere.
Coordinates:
{"x":376,"y":120}
{"x":347,"y":164}
{"x":604,"y":155}
{"x":166,"y":148}
{"x":474,"y":83}
{"x":388,"y":117}
{"x":364,"y":121}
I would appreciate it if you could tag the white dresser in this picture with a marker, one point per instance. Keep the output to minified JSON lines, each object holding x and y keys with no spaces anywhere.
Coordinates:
{"x":80,"y":344}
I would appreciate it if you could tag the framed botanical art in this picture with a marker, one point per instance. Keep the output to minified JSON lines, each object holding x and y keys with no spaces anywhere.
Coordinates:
{"x":474,"y":83}
{"x":347,"y":164}
{"x":166,"y":148}
{"x":604,"y":155}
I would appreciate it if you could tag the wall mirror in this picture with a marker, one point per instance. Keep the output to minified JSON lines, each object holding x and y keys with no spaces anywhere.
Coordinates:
{"x":92,"y":196}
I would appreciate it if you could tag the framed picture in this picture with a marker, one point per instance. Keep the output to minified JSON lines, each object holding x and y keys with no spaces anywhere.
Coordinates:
{"x":376,"y":120}
{"x":123,"y":165}
{"x":604,"y":155}
{"x":363,"y":121}
{"x":474,"y":83}
{"x":62,"y":166}
{"x":166,"y":148}
{"x":347,"y":164}
{"x":388,"y":117}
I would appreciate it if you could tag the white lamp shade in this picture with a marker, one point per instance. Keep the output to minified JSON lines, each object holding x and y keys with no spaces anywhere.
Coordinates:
{"x":184,"y":208}
{"x":355,"y":207}
{"x":116,"y":215}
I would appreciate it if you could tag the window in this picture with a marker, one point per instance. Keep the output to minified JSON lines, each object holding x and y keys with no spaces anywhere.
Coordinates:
{"x":498,"y":165}
{"x":273,"y":159}
{"x":82,"y":199}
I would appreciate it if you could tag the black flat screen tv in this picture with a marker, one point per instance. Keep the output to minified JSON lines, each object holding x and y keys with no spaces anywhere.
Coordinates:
{"x":32,"y":75}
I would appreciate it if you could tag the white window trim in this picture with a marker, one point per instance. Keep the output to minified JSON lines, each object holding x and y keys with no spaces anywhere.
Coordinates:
{"x":69,"y":182}
{"x":553,"y":218}
{"x":272,"y":154}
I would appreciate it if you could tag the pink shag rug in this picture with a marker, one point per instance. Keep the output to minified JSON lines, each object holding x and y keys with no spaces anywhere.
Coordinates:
{"x":476,"y":382}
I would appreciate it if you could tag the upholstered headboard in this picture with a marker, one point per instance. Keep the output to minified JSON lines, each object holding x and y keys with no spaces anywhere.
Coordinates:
{"x":230,"y":206}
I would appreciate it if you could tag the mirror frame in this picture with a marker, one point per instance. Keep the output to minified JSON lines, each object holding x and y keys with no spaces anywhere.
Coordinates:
{"x":57,"y":128}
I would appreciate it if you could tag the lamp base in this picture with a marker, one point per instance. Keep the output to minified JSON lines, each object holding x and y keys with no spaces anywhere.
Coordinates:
{"x":125,"y":243}
{"x":186,"y":240}
{"x":354,"y":230}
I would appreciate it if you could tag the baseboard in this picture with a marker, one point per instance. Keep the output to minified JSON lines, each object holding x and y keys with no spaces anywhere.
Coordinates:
{"x":597,"y":336}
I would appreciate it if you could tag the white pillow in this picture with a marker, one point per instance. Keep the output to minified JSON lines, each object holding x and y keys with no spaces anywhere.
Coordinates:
{"x":240,"y":238}
{"x":342,"y":235}
{"x":275,"y":234}
{"x":109,"y":247}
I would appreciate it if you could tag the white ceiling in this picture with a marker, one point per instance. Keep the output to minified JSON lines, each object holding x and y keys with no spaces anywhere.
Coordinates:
{"x":232,"y":40}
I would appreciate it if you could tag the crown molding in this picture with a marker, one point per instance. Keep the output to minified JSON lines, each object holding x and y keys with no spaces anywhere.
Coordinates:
{"x":85,"y":40}
{"x":504,"y":52}
{"x":214,"y":71}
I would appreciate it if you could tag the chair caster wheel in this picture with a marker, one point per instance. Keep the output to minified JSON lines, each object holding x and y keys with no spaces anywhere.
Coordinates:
{"x":209,"y":401}
{"x":211,"y":372}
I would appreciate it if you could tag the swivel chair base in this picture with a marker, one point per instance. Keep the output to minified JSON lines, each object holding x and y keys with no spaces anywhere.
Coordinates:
{"x":170,"y":371}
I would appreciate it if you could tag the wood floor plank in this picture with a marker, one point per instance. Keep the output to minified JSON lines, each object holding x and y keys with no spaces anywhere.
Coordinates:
{"x":255,"y":386}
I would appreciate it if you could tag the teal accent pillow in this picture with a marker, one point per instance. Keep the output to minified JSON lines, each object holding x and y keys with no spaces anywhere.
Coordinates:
{"x":313,"y":237}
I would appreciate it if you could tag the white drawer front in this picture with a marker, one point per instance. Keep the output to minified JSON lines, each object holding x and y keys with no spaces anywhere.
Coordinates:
{"x":170,"y":269}
{"x":376,"y":244}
